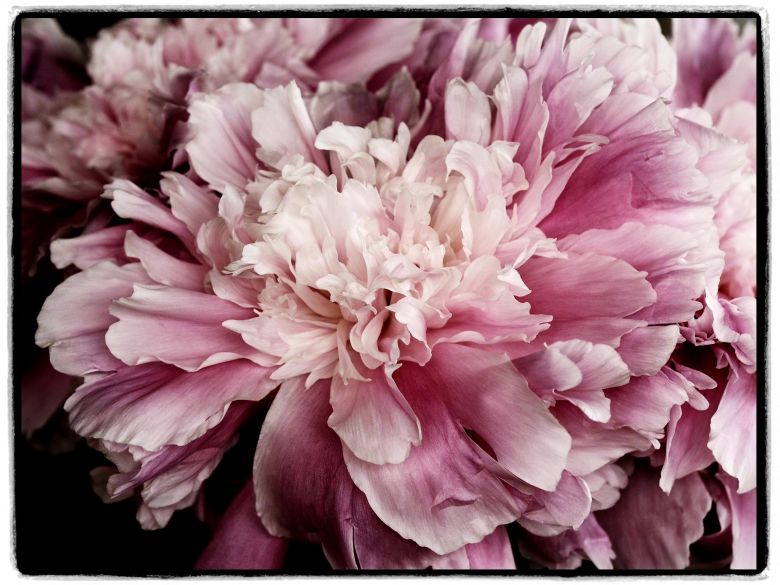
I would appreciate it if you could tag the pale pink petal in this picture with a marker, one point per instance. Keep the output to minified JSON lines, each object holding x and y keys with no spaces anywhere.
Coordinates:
{"x":282,"y":127}
{"x":467,"y":113}
{"x":373,"y":418}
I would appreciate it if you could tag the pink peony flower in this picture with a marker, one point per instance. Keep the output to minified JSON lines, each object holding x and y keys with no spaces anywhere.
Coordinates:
{"x":460,"y":293}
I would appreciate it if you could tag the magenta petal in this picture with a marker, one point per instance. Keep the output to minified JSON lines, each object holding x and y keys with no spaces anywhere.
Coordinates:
{"x":240,"y":540}
{"x":652,"y":530}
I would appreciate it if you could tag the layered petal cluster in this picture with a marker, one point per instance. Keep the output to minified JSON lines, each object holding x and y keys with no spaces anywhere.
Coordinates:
{"x":473,"y":292}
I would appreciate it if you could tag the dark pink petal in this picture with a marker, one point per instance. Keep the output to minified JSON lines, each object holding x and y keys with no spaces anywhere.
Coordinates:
{"x":43,"y":391}
{"x":240,"y":540}
{"x":156,"y":405}
{"x":652,"y":530}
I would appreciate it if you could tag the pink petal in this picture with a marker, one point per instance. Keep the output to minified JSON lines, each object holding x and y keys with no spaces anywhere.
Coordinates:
{"x":191,"y":204}
{"x":373,"y":419}
{"x":154,"y":320}
{"x":462,"y":502}
{"x":665,"y":253}
{"x":588,"y":296}
{"x":646,"y":350}
{"x":652,"y":530}
{"x":568,"y":549}
{"x":172,"y":476}
{"x":282,"y":127}
{"x":222,"y":150}
{"x":733,"y":438}
{"x":74,"y":319}
{"x":240,"y":540}
{"x":303,"y":490}
{"x":494,"y":552}
{"x":130,"y":202}
{"x":89,"y":249}
{"x":364,"y":47}
{"x":744,"y":524}
{"x":162,"y":267}
{"x":146,"y":405}
{"x":43,"y":391}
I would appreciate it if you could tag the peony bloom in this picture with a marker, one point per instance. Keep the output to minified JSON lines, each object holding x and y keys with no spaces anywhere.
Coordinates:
{"x":460,"y":292}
